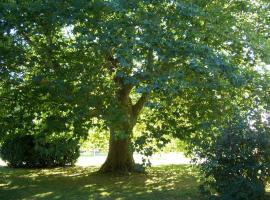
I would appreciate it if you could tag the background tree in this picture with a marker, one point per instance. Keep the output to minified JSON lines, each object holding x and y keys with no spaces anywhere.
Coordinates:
{"x":168,"y":64}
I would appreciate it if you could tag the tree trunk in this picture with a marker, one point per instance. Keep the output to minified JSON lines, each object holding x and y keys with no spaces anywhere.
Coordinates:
{"x":120,"y":156}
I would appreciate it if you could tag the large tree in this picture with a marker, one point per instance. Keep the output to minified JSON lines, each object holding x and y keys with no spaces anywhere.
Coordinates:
{"x":70,"y":65}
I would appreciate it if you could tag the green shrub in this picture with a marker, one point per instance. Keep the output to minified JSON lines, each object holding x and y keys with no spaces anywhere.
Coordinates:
{"x":19,"y":151}
{"x":238,"y":164}
{"x":26,"y":151}
{"x":59,"y":152}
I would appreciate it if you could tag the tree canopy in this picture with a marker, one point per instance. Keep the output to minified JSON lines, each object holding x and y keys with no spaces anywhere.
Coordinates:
{"x":173,"y":66}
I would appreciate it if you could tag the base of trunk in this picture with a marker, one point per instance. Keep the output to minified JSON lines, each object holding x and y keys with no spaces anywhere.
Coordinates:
{"x":110,"y":166}
{"x":120,"y":158}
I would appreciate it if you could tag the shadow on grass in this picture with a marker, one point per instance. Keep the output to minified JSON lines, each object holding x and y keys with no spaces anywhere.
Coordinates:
{"x":167,"y":182}
{"x":78,"y":183}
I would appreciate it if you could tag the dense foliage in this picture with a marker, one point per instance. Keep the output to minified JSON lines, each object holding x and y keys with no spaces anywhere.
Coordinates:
{"x":18,"y":151}
{"x":236,"y":165}
{"x":68,"y":66}
{"x":28,"y":151}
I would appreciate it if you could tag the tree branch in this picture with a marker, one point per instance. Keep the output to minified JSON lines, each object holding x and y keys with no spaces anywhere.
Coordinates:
{"x":5,"y":98}
{"x":93,"y":113}
{"x":112,"y":63}
{"x":136,"y":108}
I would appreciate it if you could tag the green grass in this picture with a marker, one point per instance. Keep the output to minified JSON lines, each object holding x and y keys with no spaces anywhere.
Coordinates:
{"x":176,"y":182}
{"x":167,"y":182}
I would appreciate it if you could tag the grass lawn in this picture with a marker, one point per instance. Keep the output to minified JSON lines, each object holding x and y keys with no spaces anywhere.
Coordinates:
{"x":165,"y":182}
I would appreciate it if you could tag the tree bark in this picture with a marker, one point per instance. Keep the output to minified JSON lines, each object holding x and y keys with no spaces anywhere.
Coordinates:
{"x":120,"y":156}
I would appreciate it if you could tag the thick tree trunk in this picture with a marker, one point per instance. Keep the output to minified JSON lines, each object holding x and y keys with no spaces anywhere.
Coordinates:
{"x":120,"y":156}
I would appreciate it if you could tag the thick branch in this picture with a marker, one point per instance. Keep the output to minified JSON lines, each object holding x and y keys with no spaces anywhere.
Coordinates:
{"x":136,"y":108}
{"x":93,"y":113}
{"x":124,"y":88}
{"x":4,"y":98}
{"x":112,"y":63}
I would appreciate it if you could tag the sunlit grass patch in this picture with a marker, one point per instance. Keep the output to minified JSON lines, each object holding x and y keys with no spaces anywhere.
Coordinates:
{"x":166,"y":182}
{"x":73,"y":183}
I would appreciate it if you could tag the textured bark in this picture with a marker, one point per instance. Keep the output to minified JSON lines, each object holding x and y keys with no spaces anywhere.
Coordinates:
{"x":120,"y":156}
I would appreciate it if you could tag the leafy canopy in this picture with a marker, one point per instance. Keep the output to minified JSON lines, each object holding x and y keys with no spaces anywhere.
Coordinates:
{"x":64,"y":62}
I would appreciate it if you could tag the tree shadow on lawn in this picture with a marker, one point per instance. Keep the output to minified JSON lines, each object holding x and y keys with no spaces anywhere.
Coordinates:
{"x":167,"y":182}
{"x":78,"y":183}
